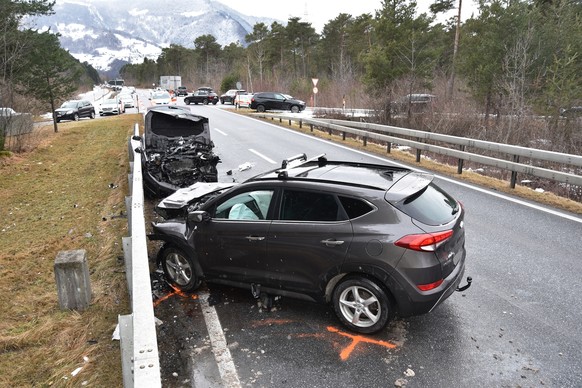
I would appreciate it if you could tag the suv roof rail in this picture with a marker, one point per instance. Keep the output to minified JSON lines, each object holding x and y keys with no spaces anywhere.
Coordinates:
{"x":286,"y":162}
{"x":285,"y":165}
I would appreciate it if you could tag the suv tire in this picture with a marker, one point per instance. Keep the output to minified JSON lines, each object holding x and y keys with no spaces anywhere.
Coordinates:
{"x":179,"y":268}
{"x":93,"y":114}
{"x":76,"y":117}
{"x":260,"y":108}
{"x":361,"y":305}
{"x":295,"y":109}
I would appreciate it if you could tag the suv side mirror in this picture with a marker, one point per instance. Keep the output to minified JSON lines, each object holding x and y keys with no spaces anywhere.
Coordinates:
{"x":198,"y":216}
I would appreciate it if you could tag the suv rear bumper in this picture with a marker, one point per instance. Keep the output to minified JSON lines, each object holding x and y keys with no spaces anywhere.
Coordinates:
{"x":412,"y":301}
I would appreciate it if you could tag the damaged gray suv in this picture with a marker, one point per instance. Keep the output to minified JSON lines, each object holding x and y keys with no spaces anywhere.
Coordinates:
{"x":176,"y":151}
{"x":373,"y":240}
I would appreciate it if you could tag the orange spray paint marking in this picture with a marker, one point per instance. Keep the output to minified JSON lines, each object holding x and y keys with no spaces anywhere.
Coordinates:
{"x":176,"y":292}
{"x":356,"y":339}
{"x":271,"y":321}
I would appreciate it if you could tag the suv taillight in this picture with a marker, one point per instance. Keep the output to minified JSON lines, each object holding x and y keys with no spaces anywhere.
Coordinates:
{"x":426,"y":242}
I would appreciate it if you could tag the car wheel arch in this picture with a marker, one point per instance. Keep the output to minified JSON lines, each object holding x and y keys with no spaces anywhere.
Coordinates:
{"x":373,"y":273}
{"x":189,"y":255}
{"x":369,"y":289}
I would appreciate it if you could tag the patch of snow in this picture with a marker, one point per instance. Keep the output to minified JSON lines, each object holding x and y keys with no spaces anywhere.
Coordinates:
{"x":193,"y":14}
{"x":74,"y":31}
{"x":138,"y":12}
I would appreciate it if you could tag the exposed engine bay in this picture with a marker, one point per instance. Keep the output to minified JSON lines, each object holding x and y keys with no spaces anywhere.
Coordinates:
{"x":177,"y":151}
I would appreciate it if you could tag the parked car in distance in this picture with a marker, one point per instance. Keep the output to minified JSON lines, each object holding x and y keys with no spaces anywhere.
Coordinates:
{"x":243,"y":100}
{"x":111,"y":106}
{"x":418,"y":102}
{"x":230,"y":95}
{"x":74,"y":110}
{"x":276,"y":101}
{"x":575,"y":111}
{"x":181,"y":91}
{"x":161,"y":97}
{"x":6,"y":112}
{"x":201,"y":96}
{"x":177,"y":150}
{"x":374,"y":239}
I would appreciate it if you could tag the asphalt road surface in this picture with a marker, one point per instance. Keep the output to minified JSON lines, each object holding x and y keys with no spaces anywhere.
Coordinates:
{"x":517,"y":326}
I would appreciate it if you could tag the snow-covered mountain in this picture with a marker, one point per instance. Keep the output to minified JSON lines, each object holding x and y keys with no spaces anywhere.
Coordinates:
{"x":110,"y":33}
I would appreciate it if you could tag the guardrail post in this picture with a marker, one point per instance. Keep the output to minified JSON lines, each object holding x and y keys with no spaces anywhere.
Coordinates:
{"x":365,"y":140}
{"x":289,"y":122}
{"x":418,"y":156}
{"x":388,"y":147}
{"x":311,"y":127}
{"x":300,"y":124}
{"x":514,"y":173}
{"x":280,"y":120}
{"x":344,"y":135}
{"x":460,"y":162}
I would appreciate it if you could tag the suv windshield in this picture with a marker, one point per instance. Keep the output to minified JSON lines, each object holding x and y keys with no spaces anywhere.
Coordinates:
{"x":69,"y":104}
{"x":431,"y":206}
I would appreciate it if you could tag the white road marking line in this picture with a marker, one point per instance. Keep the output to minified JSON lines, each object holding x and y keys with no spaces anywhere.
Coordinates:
{"x":262,"y":156}
{"x":219,"y":348}
{"x":221,"y":132}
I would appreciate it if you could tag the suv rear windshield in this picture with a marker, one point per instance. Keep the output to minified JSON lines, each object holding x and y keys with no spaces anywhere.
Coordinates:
{"x":431,"y":206}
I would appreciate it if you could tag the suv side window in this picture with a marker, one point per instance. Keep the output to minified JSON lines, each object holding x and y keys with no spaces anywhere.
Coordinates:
{"x":310,"y":206}
{"x":355,"y":207}
{"x":250,"y":205}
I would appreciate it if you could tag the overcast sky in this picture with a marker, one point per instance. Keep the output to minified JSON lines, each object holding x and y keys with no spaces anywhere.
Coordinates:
{"x":319,"y":12}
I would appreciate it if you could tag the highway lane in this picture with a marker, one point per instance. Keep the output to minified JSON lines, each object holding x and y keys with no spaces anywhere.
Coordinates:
{"x":518,"y":325}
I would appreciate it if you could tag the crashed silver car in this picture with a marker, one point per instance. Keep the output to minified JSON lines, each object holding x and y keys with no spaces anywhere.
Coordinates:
{"x":177,"y":151}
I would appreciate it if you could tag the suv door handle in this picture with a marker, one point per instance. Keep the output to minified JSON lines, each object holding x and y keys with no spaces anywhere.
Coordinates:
{"x":255,"y":238}
{"x":330,"y":242}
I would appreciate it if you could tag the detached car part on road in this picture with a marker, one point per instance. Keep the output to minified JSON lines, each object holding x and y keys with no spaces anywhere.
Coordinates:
{"x":374,"y":240}
{"x":176,"y":151}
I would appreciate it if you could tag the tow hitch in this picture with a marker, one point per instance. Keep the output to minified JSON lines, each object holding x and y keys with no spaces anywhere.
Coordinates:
{"x":469,"y":280}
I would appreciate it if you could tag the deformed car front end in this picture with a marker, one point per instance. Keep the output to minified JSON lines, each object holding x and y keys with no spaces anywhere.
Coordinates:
{"x":177,"y":151}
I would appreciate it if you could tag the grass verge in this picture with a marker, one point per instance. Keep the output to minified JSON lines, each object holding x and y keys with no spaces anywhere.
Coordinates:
{"x":54,"y":198}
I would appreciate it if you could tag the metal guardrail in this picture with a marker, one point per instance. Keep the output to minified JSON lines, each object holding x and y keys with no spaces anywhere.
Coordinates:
{"x":385,"y":133}
{"x":139,"y":344}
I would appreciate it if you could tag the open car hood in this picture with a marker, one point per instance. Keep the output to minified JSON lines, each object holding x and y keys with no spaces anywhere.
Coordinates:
{"x":178,"y":151}
{"x":177,"y":203}
{"x":165,"y":123}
